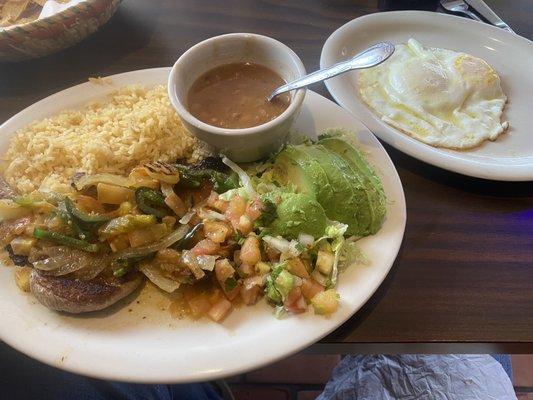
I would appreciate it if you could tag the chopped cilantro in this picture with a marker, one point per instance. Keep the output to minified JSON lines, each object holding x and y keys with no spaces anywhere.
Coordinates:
{"x":268,"y":215}
{"x":230,"y":284}
{"x":239,"y":238}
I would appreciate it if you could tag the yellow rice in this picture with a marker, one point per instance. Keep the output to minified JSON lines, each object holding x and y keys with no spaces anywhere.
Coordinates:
{"x":135,"y":126}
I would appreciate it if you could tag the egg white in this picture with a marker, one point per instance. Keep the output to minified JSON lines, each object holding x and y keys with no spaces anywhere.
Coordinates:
{"x":438,"y":96}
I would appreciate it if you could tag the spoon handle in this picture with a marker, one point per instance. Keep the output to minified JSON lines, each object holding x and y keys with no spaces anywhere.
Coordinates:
{"x":368,"y":58}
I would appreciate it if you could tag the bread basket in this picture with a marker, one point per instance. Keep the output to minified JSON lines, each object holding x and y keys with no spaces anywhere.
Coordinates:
{"x":48,"y":35}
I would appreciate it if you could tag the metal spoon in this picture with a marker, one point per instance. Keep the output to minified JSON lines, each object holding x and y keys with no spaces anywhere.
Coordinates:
{"x":370,"y":57}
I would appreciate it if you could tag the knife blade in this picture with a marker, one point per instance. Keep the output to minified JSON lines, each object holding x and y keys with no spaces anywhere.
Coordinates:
{"x":481,"y":7}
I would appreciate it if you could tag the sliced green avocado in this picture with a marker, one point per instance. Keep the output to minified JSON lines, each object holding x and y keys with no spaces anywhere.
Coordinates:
{"x":349,"y":203}
{"x":294,"y":166}
{"x":366,"y":175}
{"x":298,"y":213}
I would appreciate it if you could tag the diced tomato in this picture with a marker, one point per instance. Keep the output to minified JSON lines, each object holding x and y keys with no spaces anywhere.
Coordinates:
{"x":250,"y":294}
{"x":298,"y":268}
{"x":223,"y":270}
{"x":310,"y":288}
{"x":205,"y":247}
{"x":214,"y":201}
{"x":295,"y":302}
{"x":220,"y":310}
{"x":254,"y":209}
{"x":250,"y":251}
{"x":233,"y":293}
{"x":217,"y":231}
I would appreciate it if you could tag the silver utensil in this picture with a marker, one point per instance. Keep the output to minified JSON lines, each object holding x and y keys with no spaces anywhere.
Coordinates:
{"x":481,"y":7}
{"x":370,"y":57}
{"x":460,"y":7}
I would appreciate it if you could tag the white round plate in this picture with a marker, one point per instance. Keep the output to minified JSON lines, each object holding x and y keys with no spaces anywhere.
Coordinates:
{"x":510,"y":157}
{"x":141,"y":342}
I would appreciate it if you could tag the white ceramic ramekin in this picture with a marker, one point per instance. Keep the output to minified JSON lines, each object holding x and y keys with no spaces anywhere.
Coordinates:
{"x":248,"y":144}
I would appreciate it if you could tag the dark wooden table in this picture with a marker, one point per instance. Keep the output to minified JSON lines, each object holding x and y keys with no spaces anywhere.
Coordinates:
{"x":463,"y":280}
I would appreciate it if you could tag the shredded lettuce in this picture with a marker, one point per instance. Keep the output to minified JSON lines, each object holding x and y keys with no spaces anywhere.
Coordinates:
{"x":271,"y":291}
{"x":242,"y":192}
{"x":335,"y":232}
{"x":279,"y":312}
{"x":351,"y":254}
{"x":336,"y":229}
{"x":243,"y":176}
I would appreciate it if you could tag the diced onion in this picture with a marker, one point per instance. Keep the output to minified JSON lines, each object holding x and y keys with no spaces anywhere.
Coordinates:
{"x":156,"y":277}
{"x":286,"y":248}
{"x":207,"y":263}
{"x":62,"y":260}
{"x":257,"y":280}
{"x":306,"y":240}
{"x":187,"y":217}
{"x":191,"y":261}
{"x":277,"y":243}
{"x":110,"y":179}
{"x":167,"y":189}
{"x":243,"y":176}
{"x":210,"y":214}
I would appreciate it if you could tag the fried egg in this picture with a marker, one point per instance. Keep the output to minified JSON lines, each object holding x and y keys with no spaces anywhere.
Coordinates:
{"x":438,"y":96}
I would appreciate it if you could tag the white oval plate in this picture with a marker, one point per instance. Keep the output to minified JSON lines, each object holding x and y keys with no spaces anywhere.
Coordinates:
{"x":147,"y":344}
{"x":508,"y":158}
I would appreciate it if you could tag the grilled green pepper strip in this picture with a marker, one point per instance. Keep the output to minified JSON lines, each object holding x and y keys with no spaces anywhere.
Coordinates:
{"x":65,"y":240}
{"x":188,"y":178}
{"x":71,"y":222}
{"x":185,"y":241}
{"x":223,"y":182}
{"x":126,"y":224}
{"x":124,"y":265}
{"x":120,"y":272}
{"x":193,"y":178}
{"x":85,"y":218}
{"x":152,"y":202}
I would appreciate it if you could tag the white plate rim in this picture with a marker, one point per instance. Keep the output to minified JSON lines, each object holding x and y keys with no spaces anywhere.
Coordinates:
{"x":91,"y":367}
{"x":453,"y":161}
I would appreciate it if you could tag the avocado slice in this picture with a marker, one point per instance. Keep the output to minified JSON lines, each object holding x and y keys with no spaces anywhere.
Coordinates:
{"x":294,"y":167}
{"x":298,"y":213}
{"x":366,"y":175}
{"x":336,"y":175}
{"x":348,"y":203}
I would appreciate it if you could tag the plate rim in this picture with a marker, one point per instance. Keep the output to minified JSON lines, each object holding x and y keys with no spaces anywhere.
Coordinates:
{"x":431,"y":155}
{"x":193,"y":376}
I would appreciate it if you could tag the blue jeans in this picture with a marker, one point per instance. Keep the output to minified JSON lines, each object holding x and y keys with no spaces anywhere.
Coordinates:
{"x":505,"y":361}
{"x":22,"y":378}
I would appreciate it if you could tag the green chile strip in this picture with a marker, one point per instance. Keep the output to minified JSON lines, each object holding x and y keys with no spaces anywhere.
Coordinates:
{"x":85,"y":217}
{"x":151,"y":202}
{"x":65,"y":240}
